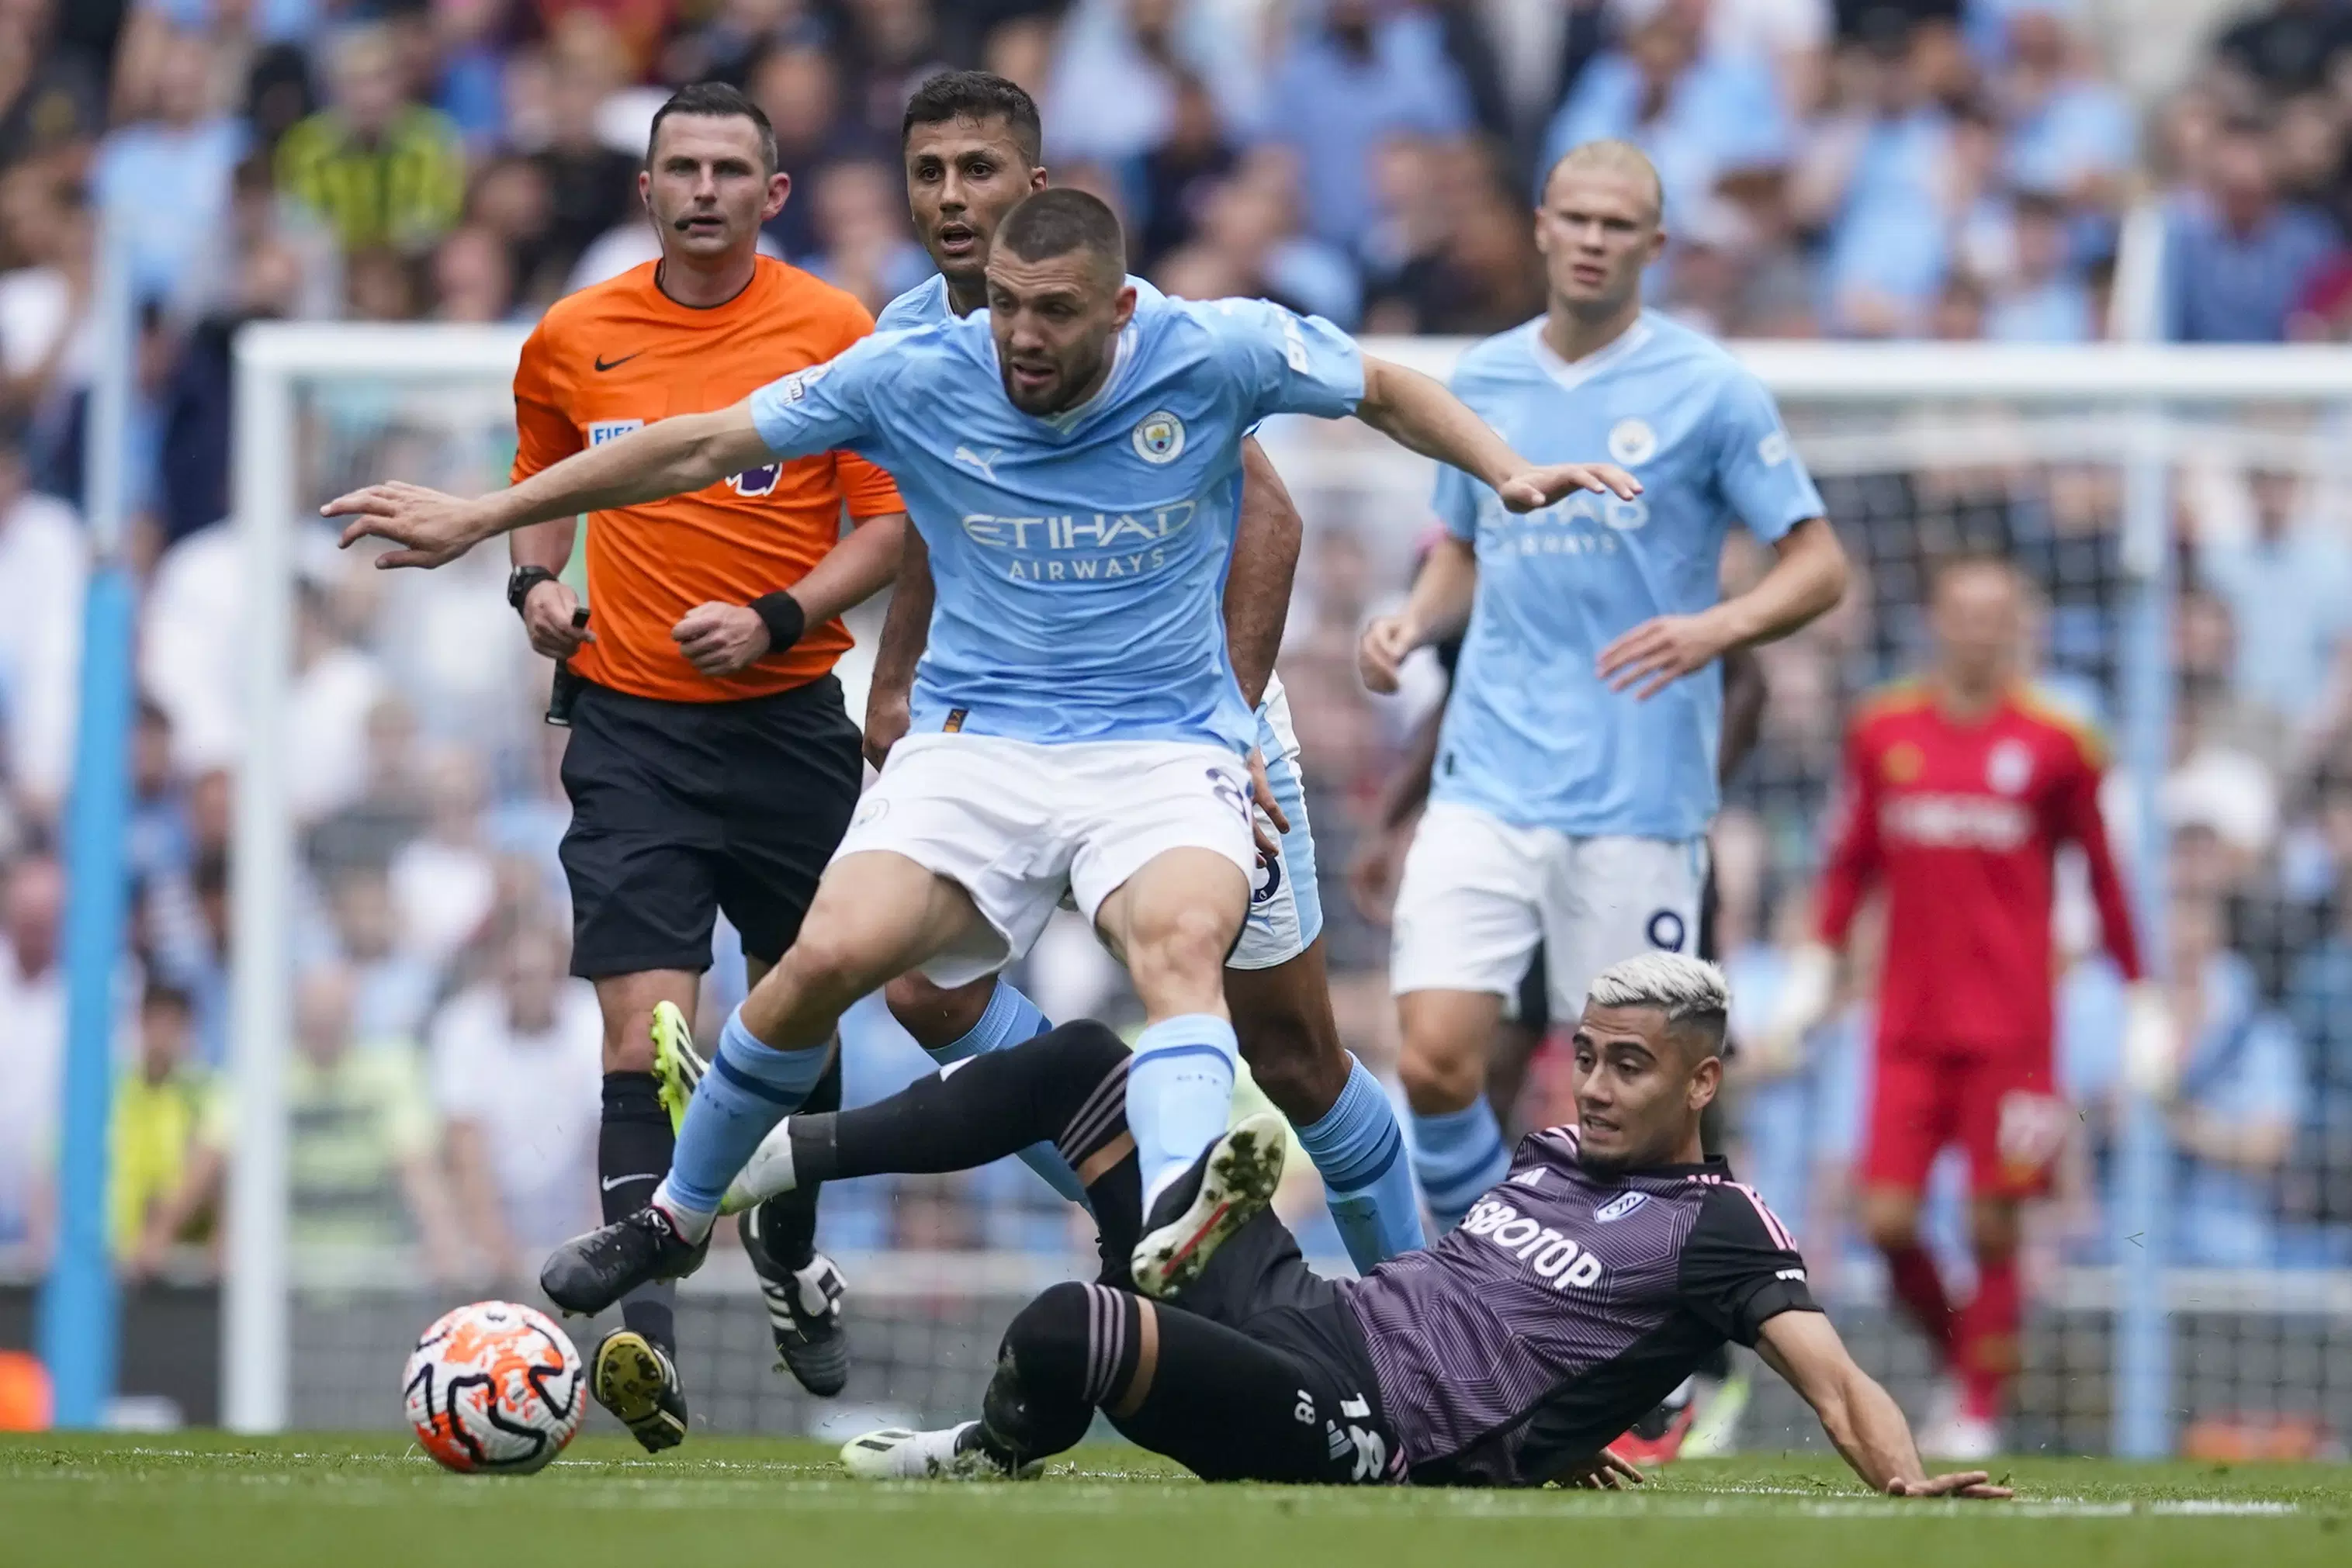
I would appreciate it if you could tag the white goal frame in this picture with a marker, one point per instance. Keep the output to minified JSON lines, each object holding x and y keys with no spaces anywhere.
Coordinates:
{"x":273,"y":359}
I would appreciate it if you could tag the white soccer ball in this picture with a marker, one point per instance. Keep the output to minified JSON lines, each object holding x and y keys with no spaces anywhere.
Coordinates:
{"x":494,"y":1388}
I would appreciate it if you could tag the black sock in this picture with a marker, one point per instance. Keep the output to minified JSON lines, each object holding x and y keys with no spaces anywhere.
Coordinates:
{"x":788,"y":1220}
{"x":633,"y":1153}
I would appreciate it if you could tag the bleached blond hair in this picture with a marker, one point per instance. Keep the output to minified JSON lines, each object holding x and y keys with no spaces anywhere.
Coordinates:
{"x":1687,"y":990}
{"x":1612,"y":155}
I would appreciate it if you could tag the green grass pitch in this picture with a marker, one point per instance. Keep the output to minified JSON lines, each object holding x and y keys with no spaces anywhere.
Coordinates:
{"x":353,"y":1502}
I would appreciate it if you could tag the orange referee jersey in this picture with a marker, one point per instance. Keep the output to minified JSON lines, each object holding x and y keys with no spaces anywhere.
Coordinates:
{"x":622,"y":354}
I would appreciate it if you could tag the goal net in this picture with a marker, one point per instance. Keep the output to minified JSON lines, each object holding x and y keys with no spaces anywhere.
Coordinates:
{"x":2180,"y":513}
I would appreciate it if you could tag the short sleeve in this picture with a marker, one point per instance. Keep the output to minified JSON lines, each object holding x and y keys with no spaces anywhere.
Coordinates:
{"x":1756,"y":464}
{"x":543,"y":436}
{"x":1454,"y":500}
{"x":1740,"y":1268}
{"x":1287,"y":363}
{"x":822,"y":406}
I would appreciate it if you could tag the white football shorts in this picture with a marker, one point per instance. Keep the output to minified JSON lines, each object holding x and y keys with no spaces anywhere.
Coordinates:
{"x":1016,"y":824}
{"x":1477,"y":894}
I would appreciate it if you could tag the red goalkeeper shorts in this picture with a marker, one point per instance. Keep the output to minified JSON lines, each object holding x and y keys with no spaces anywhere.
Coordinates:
{"x":2001,"y":1108}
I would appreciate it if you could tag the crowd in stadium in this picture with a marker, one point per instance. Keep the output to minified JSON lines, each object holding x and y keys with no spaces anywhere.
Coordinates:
{"x":1919,"y":170}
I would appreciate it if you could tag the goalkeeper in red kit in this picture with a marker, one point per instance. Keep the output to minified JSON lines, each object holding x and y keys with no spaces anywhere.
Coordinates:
{"x":1960,"y":788}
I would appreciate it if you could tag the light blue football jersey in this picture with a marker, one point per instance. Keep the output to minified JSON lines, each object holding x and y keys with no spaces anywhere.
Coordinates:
{"x":1531,"y":734}
{"x":1079,"y":561}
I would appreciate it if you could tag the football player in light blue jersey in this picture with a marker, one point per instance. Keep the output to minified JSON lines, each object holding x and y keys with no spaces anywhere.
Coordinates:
{"x":1075,"y":467}
{"x":1576,"y":767}
{"x":971,"y":146}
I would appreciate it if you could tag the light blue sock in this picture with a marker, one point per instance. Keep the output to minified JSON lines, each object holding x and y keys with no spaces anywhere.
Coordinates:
{"x":1367,"y":1180}
{"x":1180,"y":1092}
{"x":748,"y":1089}
{"x":1458,"y":1155}
{"x":1010,"y":1019}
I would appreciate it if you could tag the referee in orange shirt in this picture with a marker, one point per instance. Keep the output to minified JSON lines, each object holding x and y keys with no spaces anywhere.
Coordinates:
{"x":711,"y":765}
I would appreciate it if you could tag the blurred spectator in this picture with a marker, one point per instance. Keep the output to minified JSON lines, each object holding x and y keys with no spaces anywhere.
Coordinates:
{"x":165,"y":179}
{"x":366,"y":1167}
{"x":443,"y":881}
{"x":2042,"y":299}
{"x":473,"y":279}
{"x":1179,"y":171}
{"x":863,"y":243}
{"x":1120,"y":70}
{"x":1883,"y":165}
{"x":2291,"y":46}
{"x":336,"y":687}
{"x":470,"y":84}
{"x":393,"y":984}
{"x":1697,"y":112}
{"x":2240,"y":1085}
{"x":31,"y":1046}
{"x":590,"y":187}
{"x":392,"y":808}
{"x":517,"y":1066}
{"x":2071,"y":135}
{"x":168,"y":1114}
{"x":2288,"y":586}
{"x":1249,"y":229}
{"x":51,"y":98}
{"x":798,"y":85}
{"x":44,"y":562}
{"x":2237,"y":258}
{"x":48,"y":227}
{"x":1364,"y":71}
{"x":381,"y":170}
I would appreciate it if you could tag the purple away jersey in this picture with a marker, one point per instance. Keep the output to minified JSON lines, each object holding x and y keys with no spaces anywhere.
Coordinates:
{"x":1564,"y":1307}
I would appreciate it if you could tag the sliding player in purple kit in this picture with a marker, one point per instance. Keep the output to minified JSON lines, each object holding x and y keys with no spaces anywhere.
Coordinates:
{"x":1575,"y":1293}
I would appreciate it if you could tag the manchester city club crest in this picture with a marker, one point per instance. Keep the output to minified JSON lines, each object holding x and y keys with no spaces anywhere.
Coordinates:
{"x":1632,"y":441}
{"x":1160,"y":437}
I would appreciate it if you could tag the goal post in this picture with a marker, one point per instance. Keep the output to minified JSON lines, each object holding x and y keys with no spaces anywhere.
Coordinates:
{"x":2136,"y":417}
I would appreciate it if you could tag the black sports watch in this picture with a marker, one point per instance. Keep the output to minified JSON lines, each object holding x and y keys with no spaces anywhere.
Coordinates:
{"x":521,"y":581}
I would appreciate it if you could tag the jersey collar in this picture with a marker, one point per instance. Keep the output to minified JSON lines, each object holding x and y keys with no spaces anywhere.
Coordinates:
{"x":1573,"y":373}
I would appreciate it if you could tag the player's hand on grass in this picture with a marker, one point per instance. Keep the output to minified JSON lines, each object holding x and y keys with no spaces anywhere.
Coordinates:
{"x":1660,"y":652}
{"x":547,"y":614}
{"x":1603,"y":1471}
{"x":1269,"y":844}
{"x":1386,"y":642}
{"x":430,"y":527}
{"x":1973,"y":1484}
{"x":722,"y":639}
{"x":1540,"y":485}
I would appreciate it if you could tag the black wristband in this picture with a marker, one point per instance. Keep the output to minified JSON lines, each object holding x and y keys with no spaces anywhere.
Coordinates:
{"x":521,"y":581}
{"x":782,"y":616}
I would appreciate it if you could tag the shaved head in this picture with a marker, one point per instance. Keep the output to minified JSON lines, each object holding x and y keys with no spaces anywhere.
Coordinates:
{"x":1611,"y":156}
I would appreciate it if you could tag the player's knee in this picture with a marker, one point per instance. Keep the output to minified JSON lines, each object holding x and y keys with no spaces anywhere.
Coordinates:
{"x":1891,"y":1220}
{"x":1183,"y":947}
{"x":1437,"y":1076}
{"x":936,"y":1015}
{"x":1048,"y":1340}
{"x":828,"y":965}
{"x":1992,"y":1229}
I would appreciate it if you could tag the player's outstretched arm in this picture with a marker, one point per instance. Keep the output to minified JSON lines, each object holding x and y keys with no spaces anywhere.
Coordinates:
{"x":1859,"y":1416}
{"x":1420,"y":415}
{"x":668,"y":457}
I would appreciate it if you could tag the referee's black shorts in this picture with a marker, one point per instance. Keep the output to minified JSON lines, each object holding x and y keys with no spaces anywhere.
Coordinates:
{"x":682,"y":810}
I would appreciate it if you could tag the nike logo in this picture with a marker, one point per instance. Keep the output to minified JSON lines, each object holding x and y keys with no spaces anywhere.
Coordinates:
{"x":986,"y":465}
{"x":609,"y":1183}
{"x":605,"y":364}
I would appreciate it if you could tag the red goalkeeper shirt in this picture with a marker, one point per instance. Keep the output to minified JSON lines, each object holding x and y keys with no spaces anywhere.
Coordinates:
{"x":1962,"y":823}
